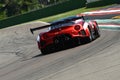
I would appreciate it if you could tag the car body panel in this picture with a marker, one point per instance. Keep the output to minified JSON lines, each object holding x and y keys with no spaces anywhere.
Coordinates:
{"x":70,"y":27}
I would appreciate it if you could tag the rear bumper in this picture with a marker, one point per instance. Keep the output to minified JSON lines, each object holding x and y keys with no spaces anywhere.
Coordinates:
{"x":51,"y":41}
{"x":48,"y":44}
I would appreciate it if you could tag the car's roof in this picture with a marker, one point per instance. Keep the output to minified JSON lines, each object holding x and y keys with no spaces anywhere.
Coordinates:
{"x":65,"y":19}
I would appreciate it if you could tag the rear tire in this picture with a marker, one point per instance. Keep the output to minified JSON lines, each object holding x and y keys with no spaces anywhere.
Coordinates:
{"x":97,"y":31}
{"x":92,"y":36}
{"x":44,"y":51}
{"x":48,"y":49}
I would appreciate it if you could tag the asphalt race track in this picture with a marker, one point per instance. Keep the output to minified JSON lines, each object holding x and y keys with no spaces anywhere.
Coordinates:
{"x":21,"y":60}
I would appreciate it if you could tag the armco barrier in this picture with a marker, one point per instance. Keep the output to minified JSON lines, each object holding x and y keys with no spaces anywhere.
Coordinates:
{"x":45,"y":12}
{"x":101,"y":3}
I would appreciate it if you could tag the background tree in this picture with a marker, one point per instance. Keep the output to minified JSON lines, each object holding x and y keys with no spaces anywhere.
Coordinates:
{"x":16,"y":7}
{"x":10,"y":7}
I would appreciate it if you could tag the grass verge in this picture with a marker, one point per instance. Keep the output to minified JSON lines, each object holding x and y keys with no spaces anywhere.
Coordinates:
{"x":73,"y":12}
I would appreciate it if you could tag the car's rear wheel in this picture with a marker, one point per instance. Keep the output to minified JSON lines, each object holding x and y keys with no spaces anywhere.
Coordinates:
{"x":91,"y":36}
{"x":97,"y":31}
{"x":48,"y":49}
{"x":44,"y":51}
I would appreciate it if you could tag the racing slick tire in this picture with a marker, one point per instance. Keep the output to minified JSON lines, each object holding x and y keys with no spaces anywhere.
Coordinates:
{"x":92,"y":36}
{"x":97,"y":31}
{"x":44,"y":51}
{"x":48,"y":49}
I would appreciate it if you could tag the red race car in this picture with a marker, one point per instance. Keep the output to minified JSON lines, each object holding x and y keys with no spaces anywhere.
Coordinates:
{"x":71,"y":30}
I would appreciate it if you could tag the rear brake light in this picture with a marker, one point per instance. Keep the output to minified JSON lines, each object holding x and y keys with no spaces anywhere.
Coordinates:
{"x":77,"y":27}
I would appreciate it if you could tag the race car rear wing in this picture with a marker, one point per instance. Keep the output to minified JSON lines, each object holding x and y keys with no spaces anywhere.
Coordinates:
{"x":38,"y":28}
{"x":58,"y":22}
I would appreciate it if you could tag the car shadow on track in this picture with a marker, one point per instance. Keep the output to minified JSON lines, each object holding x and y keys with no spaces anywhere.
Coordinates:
{"x":37,"y":55}
{"x":66,"y":47}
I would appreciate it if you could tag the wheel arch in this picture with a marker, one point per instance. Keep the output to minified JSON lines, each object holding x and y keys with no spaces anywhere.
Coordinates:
{"x":86,"y":27}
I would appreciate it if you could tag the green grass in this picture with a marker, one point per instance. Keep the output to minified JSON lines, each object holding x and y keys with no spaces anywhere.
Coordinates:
{"x":70,"y":13}
{"x":2,"y":15}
